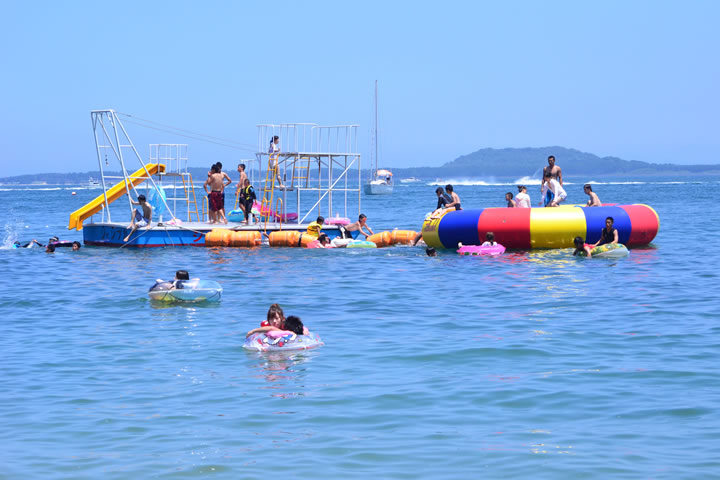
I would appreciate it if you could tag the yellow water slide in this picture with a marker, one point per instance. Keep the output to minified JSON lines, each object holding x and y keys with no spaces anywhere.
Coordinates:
{"x":113,"y":193}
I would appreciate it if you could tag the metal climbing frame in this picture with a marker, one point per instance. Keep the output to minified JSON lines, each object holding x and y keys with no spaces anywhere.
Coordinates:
{"x":112,"y":142}
{"x":312,"y":159}
{"x":176,"y":177}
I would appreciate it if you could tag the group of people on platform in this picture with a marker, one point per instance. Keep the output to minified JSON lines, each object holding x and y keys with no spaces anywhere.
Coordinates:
{"x":215,"y":186}
{"x":552,"y":193}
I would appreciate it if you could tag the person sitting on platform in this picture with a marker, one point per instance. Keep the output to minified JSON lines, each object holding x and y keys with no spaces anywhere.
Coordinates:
{"x":455,"y":198}
{"x":594,"y":199}
{"x":581,"y":246}
{"x":345,"y":231}
{"x":609,"y":234}
{"x":522,"y":199}
{"x":315,"y":227}
{"x":139,"y":219}
{"x":553,"y":186}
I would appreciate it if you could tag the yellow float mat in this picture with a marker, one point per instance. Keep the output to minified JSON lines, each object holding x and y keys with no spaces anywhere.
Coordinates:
{"x":116,"y":191}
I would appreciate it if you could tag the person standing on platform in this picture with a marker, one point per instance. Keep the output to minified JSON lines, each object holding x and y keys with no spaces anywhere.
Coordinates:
{"x":555,"y":173}
{"x":274,"y":152}
{"x":248,"y":198}
{"x":241,"y":186}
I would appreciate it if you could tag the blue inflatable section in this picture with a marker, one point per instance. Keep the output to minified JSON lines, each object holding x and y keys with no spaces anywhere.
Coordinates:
{"x":595,"y":220}
{"x":460,"y":226}
{"x":157,"y":201}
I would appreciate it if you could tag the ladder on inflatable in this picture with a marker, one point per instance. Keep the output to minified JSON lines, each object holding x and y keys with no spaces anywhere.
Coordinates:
{"x":268,"y":192}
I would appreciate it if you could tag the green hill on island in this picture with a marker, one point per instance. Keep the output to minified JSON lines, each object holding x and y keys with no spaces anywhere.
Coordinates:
{"x":529,"y":161}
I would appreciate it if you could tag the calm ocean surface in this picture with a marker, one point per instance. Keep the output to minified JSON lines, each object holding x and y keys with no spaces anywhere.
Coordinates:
{"x":535,"y":364}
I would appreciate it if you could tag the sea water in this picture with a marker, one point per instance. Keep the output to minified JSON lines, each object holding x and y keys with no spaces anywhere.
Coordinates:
{"x":532,"y":364}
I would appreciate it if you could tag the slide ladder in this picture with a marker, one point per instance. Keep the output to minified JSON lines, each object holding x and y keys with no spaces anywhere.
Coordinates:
{"x":268,"y":193}
{"x":113,"y":193}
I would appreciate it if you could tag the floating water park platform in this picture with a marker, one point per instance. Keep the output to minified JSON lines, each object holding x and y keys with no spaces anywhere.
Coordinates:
{"x":190,"y":234}
{"x":315,"y":166}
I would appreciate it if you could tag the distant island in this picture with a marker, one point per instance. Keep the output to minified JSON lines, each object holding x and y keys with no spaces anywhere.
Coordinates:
{"x":487,"y":162}
{"x":519,"y":162}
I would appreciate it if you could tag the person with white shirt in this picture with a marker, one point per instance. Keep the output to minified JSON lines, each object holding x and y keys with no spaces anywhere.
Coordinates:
{"x":553,"y":186}
{"x":522,"y":199}
{"x":274,"y":152}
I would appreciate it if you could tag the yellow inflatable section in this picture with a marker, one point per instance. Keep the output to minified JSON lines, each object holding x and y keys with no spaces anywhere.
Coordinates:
{"x":116,"y":191}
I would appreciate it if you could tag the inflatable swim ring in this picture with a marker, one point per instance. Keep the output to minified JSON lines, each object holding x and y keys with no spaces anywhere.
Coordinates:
{"x":360,"y":244}
{"x":192,"y":291}
{"x":337,"y":220}
{"x":478,"y":250}
{"x":261,"y":342}
{"x":609,"y":250}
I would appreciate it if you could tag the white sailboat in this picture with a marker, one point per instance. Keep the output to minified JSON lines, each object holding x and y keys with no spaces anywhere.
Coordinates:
{"x":381,"y":182}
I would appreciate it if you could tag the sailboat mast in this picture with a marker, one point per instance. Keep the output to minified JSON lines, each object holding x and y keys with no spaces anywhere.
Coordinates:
{"x":376,"y":129}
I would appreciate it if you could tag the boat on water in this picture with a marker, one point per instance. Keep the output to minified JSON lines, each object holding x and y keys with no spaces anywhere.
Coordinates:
{"x":92,"y":183}
{"x":381,"y":182}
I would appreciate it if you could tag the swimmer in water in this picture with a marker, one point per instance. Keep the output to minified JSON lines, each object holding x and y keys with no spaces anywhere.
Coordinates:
{"x":489,"y":240}
{"x":581,"y":246}
{"x":431,"y":252}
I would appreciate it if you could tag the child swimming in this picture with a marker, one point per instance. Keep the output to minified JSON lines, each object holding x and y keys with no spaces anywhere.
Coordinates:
{"x":490,"y":240}
{"x":581,"y":246}
{"x":276,"y":321}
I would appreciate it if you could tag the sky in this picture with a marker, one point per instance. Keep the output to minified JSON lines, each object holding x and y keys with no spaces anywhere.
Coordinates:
{"x":637,"y":80}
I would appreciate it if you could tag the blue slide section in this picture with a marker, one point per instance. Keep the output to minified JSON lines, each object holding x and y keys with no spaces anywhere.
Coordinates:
{"x":595,"y":220}
{"x":459,"y":226}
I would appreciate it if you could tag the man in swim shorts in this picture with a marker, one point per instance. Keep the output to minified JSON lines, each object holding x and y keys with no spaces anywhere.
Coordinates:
{"x":215,"y":187}
{"x":139,"y":219}
{"x":555,"y":173}
{"x":345,"y":232}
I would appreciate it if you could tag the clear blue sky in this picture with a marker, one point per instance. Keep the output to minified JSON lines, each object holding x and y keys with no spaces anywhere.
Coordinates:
{"x":638,"y":79}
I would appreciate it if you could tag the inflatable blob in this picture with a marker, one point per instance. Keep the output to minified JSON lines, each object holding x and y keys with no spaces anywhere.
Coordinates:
{"x":525,"y":228}
{"x":609,"y":250}
{"x":287,"y":343}
{"x":186,"y":291}
{"x":479,"y":250}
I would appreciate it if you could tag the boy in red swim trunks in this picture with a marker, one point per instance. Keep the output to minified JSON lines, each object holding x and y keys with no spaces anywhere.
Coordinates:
{"x":216,"y":200}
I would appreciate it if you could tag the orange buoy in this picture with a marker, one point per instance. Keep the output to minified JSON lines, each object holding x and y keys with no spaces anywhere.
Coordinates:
{"x":226,"y":236}
{"x":214,"y":238}
{"x":382,"y":239}
{"x":286,"y":238}
{"x":403,"y":237}
{"x":306,"y":240}
{"x":245,"y":239}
